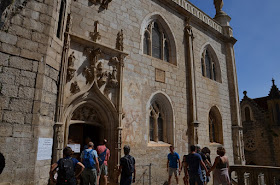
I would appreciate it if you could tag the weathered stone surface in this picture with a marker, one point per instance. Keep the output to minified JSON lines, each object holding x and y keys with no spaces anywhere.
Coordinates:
{"x":31,"y":61}
{"x":13,"y":117}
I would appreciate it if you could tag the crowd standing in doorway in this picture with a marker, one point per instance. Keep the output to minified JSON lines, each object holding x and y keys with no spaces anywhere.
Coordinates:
{"x":94,"y":166}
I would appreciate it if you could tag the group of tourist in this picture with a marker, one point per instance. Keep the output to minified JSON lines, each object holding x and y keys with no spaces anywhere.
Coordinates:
{"x":93,"y":165}
{"x":197,"y":166}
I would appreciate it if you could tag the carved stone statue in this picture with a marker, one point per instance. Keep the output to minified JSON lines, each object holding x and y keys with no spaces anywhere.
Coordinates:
{"x":71,"y":70}
{"x":219,"y":5}
{"x":89,"y":74}
{"x":105,"y":4}
{"x":95,"y":35}
{"x":74,"y":88}
{"x":119,"y":44}
{"x":102,"y":75}
{"x":113,"y":77}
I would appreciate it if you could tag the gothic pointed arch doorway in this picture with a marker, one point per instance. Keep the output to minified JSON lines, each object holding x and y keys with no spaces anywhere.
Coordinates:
{"x":93,"y":117}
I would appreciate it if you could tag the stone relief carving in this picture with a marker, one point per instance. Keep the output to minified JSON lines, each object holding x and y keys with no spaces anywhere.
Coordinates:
{"x":71,"y":70}
{"x":106,"y":78}
{"x":8,"y":9}
{"x":95,"y":36}
{"x":188,"y":28}
{"x":86,"y":113}
{"x":103,"y":3}
{"x":113,"y":81}
{"x":74,"y":88}
{"x":119,"y":43}
{"x":90,"y":71}
{"x":101,"y":75}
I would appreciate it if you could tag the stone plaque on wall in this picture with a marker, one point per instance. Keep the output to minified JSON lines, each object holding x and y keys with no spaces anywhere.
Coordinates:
{"x":160,"y":75}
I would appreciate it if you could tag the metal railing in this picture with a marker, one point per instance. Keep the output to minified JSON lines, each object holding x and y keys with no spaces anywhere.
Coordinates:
{"x":146,"y":175}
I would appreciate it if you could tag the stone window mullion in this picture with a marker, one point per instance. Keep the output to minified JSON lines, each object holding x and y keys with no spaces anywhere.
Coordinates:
{"x":204,"y":64}
{"x":156,"y":127}
{"x":162,"y":44}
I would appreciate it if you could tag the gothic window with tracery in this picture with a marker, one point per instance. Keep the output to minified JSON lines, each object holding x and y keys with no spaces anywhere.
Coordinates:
{"x":155,"y":42}
{"x":215,"y":126}
{"x":61,"y":18}
{"x":160,"y":120}
{"x":209,"y":66}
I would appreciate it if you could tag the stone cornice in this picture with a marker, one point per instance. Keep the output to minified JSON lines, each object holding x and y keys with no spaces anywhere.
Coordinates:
{"x":193,"y":10}
{"x":201,"y":19}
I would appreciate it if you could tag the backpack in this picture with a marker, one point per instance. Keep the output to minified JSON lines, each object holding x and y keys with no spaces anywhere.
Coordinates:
{"x":129,"y":165}
{"x":88,"y":160}
{"x":101,"y":157}
{"x":66,"y":171}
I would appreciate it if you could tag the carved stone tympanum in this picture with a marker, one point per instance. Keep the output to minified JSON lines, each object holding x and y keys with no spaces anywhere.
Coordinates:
{"x":86,"y":113}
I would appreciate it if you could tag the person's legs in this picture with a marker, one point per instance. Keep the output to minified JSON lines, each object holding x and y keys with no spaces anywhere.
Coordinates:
{"x":170,"y":172}
{"x":192,"y":179}
{"x":105,"y":173}
{"x":93,"y":177}
{"x":199,"y":179}
{"x":85,"y":177}
{"x":176,"y":172}
{"x":126,"y":180}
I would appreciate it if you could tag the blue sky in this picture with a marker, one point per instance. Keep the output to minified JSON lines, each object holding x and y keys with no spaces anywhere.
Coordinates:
{"x":256,"y":26}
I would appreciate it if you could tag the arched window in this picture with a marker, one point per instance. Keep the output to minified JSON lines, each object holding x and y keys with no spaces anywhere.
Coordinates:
{"x":209,"y":66}
{"x":61,"y":17}
{"x":247,"y":114}
{"x":160,"y":120}
{"x":155,"y":38}
{"x":215,"y":126}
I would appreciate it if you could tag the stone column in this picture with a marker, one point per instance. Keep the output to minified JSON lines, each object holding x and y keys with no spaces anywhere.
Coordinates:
{"x":58,"y":142}
{"x":237,"y":130}
{"x":193,"y":125}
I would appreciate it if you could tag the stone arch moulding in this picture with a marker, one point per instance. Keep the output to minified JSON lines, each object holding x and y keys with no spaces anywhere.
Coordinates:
{"x":166,"y":26}
{"x":168,"y":108}
{"x":218,"y":131}
{"x":213,"y":54}
{"x":108,"y":114}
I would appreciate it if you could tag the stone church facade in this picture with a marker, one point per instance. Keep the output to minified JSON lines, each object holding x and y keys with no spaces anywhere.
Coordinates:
{"x":147,"y":73}
{"x":261,"y":123}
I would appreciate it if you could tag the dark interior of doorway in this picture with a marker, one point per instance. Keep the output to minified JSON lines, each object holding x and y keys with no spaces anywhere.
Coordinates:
{"x":80,"y":133}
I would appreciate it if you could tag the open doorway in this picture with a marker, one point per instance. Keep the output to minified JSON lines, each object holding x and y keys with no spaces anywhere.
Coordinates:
{"x":80,"y":134}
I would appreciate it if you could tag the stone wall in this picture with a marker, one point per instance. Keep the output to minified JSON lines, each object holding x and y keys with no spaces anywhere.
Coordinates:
{"x":29,"y":74}
{"x":18,"y":79}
